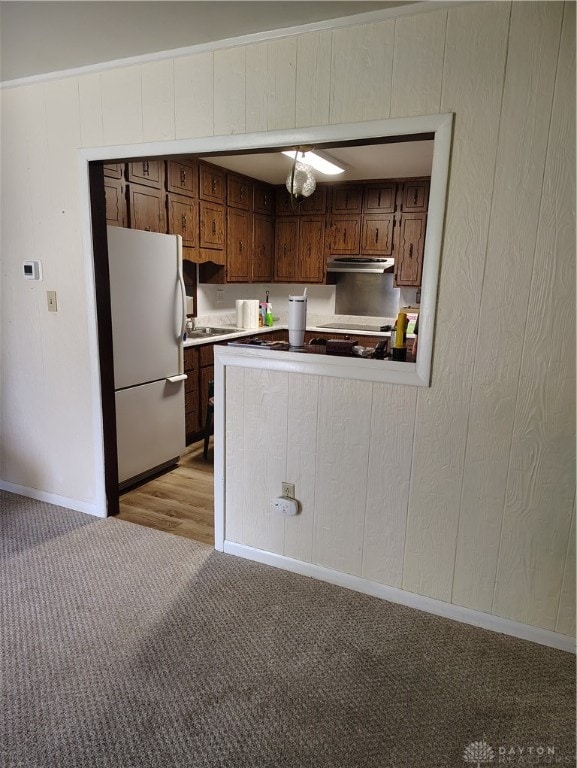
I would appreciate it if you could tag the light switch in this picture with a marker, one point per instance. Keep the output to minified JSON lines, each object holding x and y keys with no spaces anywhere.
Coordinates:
{"x":51,"y":296}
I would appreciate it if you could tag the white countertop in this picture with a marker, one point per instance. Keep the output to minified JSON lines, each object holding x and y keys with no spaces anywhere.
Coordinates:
{"x":242,"y":333}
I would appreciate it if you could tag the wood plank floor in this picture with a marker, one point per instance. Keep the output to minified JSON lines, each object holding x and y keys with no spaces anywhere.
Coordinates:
{"x":180,"y":501}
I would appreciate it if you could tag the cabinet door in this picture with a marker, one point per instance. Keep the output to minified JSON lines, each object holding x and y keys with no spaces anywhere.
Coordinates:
{"x":311,"y":259}
{"x":415,"y":196}
{"x":238,"y":245}
{"x":114,"y":170}
{"x":191,"y":392}
{"x":147,"y":210}
{"x":147,"y":172}
{"x":264,"y":199}
{"x":377,"y":238}
{"x":263,"y":248}
{"x":211,"y":225}
{"x":346,"y":199}
{"x":183,"y":219}
{"x":212,"y":183}
{"x":115,"y":196}
{"x":316,"y":203}
{"x":380,"y":198}
{"x":182,"y":178}
{"x":238,"y":192}
{"x":345,"y":235}
{"x":206,"y":376}
{"x":286,"y":249}
{"x":283,"y":203}
{"x":409,"y":249}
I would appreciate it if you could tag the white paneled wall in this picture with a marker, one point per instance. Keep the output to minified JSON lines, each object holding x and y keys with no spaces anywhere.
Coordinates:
{"x":462,"y":492}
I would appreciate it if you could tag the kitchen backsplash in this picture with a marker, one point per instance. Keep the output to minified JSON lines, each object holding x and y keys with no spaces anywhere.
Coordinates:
{"x":216,"y":303}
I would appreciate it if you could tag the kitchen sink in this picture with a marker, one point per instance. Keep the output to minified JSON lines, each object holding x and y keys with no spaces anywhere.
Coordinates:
{"x":204,"y":331}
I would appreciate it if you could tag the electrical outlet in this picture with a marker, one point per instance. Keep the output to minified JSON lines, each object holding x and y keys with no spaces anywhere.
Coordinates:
{"x":51,"y":298}
{"x":288,"y":490}
{"x":219,"y":296}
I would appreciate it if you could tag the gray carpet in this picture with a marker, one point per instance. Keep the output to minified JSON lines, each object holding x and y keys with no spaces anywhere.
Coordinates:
{"x":124,"y":647}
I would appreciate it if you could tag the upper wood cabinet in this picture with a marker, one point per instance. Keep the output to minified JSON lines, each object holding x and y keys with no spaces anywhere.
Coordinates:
{"x":316,"y":203}
{"x":379,"y":198}
{"x":311,"y":254}
{"x":212,"y":183}
{"x":147,"y":209}
{"x":262,"y":248}
{"x":238,"y":245}
{"x":212,"y":225}
{"x":114,"y":170}
{"x":264,"y":198}
{"x":344,"y":235}
{"x":115,"y":197}
{"x":182,"y":177}
{"x":346,"y":198}
{"x":238,"y":192}
{"x":377,"y":236}
{"x":147,"y":172}
{"x":183,"y":219}
{"x":286,"y":249}
{"x":409,"y":249}
{"x":414,"y":196}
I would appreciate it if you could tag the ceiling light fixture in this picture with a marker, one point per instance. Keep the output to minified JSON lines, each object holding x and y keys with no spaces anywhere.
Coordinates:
{"x":316,"y":161}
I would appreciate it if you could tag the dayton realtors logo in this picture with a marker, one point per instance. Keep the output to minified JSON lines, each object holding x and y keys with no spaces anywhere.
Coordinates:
{"x":479,"y":753}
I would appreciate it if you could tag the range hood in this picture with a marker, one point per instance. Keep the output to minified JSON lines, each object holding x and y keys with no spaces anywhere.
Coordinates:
{"x":375,"y":266}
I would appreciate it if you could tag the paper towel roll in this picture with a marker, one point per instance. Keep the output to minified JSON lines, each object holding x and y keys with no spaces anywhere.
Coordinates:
{"x":250,"y":311}
{"x":190,"y":305}
{"x":239,"y":304}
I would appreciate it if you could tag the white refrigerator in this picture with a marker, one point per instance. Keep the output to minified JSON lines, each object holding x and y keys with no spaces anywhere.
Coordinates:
{"x":148,"y":306}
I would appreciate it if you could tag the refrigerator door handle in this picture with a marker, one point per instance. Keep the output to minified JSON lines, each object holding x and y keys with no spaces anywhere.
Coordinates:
{"x":183,"y":297}
{"x":175,"y":379}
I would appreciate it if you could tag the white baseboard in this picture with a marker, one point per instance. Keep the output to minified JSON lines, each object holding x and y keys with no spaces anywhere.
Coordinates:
{"x":53,"y":498}
{"x":410,"y":599}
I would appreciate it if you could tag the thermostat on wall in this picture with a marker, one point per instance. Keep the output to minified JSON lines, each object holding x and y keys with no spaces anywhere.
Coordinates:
{"x":32,"y":270}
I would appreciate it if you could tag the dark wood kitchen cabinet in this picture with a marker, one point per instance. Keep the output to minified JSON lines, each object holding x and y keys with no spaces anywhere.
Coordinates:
{"x":264,"y":199}
{"x":150,"y":173}
{"x":377,"y":236}
{"x":212,"y":225}
{"x":311,"y":251}
{"x":115,"y":198}
{"x":344,"y":235}
{"x":286,"y":249}
{"x":183,"y":219}
{"x":414,"y":196}
{"x":211,"y":183}
{"x":147,"y":209}
{"x":238,"y":192}
{"x":192,"y":393}
{"x":182,"y":178}
{"x":114,"y":170}
{"x":379,"y":198}
{"x":262,"y":248}
{"x":238,"y":245}
{"x":346,"y":198}
{"x":409,"y":249}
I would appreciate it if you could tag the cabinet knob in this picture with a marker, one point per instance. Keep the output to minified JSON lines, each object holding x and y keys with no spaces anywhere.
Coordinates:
{"x":184,"y":220}
{"x":213,"y":228}
{"x":145,"y":168}
{"x":411,"y":251}
{"x":376,"y":235}
{"x":183,"y":176}
{"x":415,"y":196}
{"x":214,"y":184}
{"x":379,"y":200}
{"x":240,"y":245}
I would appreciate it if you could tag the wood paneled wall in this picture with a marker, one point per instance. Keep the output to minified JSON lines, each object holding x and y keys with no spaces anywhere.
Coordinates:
{"x":462,"y":492}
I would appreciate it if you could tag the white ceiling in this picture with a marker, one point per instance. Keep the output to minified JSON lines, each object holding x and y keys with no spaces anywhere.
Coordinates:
{"x":382,"y":161}
{"x":41,"y":37}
